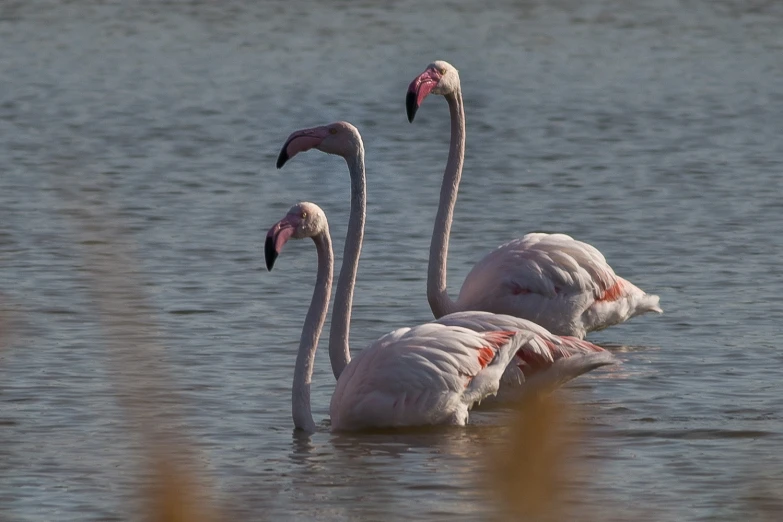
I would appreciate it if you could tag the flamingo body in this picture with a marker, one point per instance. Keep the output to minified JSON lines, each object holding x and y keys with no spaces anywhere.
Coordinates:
{"x":560,"y":283}
{"x":426,"y":375}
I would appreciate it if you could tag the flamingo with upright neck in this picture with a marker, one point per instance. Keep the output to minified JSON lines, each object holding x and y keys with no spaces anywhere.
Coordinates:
{"x":342,"y":139}
{"x":560,"y":283}
{"x":426,"y":375}
{"x":541,"y":353}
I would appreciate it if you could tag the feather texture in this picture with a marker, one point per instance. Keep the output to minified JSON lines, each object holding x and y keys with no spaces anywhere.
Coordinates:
{"x":425,"y":375}
{"x":556,"y":281}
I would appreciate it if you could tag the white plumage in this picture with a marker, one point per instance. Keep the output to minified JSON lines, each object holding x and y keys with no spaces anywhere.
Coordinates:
{"x":558,"y":282}
{"x":425,"y":375}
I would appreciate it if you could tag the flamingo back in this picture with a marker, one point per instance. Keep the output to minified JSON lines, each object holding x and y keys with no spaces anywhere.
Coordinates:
{"x":426,"y":375}
{"x":539,"y":355}
{"x":555,"y":281}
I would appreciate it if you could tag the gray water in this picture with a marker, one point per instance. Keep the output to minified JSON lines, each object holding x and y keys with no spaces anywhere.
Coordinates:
{"x":650,"y":129}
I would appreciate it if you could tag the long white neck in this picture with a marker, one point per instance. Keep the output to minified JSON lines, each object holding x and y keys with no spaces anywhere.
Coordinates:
{"x":339,"y":350}
{"x":437,"y":294}
{"x":308,"y":343}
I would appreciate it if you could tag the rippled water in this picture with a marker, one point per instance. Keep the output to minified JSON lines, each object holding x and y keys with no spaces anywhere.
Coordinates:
{"x":650,"y":129}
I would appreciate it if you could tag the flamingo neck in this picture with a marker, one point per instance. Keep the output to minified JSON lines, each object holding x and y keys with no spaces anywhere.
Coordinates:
{"x":437,"y":294}
{"x":308,"y":343}
{"x":339,"y":349}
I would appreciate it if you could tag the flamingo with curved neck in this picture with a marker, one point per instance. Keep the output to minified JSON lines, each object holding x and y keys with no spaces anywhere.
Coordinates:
{"x":560,"y":283}
{"x":426,"y":375}
{"x":343,"y":139}
{"x":305,"y":220}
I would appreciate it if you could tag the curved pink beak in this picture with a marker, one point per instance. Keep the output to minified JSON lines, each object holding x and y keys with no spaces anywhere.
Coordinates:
{"x":276,"y":238}
{"x":419,"y":89}
{"x":301,"y":141}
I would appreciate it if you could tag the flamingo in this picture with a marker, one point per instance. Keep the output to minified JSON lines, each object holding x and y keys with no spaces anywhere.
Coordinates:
{"x":541,"y":350}
{"x":426,"y":375}
{"x":554,"y":280}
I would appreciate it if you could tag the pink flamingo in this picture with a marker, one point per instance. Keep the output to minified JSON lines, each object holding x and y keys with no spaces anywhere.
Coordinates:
{"x":426,"y":375}
{"x":540,"y":351}
{"x":552,"y":279}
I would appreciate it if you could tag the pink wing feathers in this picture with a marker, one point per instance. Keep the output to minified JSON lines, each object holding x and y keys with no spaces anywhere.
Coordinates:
{"x":543,"y":352}
{"x":560,"y":283}
{"x":426,"y":375}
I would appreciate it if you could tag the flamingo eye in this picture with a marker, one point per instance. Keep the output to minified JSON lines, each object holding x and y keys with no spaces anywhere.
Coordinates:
{"x":332,"y":131}
{"x":304,"y":215}
{"x":442,"y":70}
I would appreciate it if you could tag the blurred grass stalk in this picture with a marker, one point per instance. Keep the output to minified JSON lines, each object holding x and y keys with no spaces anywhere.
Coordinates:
{"x":534,"y":473}
{"x":527,"y":471}
{"x":172,"y":493}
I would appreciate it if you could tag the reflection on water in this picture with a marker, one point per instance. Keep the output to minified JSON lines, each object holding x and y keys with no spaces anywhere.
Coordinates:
{"x":645,"y":131}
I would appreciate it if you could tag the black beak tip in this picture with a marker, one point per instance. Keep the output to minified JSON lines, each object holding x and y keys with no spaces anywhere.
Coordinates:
{"x":410,"y":106}
{"x":282,"y":158}
{"x":270,"y":254}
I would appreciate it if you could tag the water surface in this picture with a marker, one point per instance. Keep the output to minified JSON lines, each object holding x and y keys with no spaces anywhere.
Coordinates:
{"x":649,"y":129}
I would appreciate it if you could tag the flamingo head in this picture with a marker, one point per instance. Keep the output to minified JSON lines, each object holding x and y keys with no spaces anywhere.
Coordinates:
{"x":302,"y":220}
{"x":340,"y":138}
{"x":438,"y":78}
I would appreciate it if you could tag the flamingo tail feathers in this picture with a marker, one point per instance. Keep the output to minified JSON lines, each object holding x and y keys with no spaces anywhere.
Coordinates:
{"x":649,"y":303}
{"x":564,"y":370}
